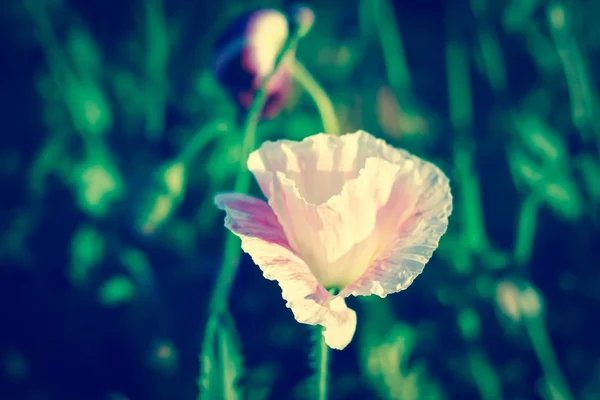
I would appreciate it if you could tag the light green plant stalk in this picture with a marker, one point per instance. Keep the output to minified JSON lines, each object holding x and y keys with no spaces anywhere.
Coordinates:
{"x":232,"y":252}
{"x":461,"y":117}
{"x":484,"y":376}
{"x":202,"y":138}
{"x":554,"y":379}
{"x":321,"y":355}
{"x":531,"y":305}
{"x":526,"y":229}
{"x":398,"y":74}
{"x":156,"y":59}
{"x":490,"y":51}
{"x":322,"y":364}
{"x":396,"y":66}
{"x":584,"y":99}
{"x":487,"y":380}
{"x":319,"y":96}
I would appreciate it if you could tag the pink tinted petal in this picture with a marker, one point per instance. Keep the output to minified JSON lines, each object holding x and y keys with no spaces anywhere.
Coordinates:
{"x":263,"y":238}
{"x":337,"y":239}
{"x":413,"y":221}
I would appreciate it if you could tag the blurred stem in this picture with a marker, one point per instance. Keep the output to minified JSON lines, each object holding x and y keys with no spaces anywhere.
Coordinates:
{"x":398,"y":74}
{"x":157,"y":53}
{"x":494,"y":66}
{"x":493,"y":59}
{"x":232,"y":251}
{"x":319,"y":96}
{"x":461,"y":117}
{"x":553,"y":376}
{"x":526,"y":229}
{"x":61,"y":70}
{"x":322,"y":355}
{"x":484,"y":376}
{"x":322,"y":359}
{"x":200,"y":140}
{"x":584,"y":102}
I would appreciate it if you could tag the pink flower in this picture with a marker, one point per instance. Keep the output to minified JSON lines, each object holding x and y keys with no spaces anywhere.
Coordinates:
{"x":349,"y":213}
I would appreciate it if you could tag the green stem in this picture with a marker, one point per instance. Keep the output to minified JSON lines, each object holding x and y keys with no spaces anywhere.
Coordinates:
{"x":321,"y":353}
{"x":157,"y":54}
{"x":461,"y":117}
{"x":319,"y":96}
{"x":526,"y":230}
{"x":62,"y":71}
{"x":232,"y":253}
{"x":242,"y":182}
{"x":553,"y":376}
{"x":199,"y":141}
{"x":583,"y":97}
{"x":396,"y":65}
{"x":484,"y":376}
{"x":322,"y":358}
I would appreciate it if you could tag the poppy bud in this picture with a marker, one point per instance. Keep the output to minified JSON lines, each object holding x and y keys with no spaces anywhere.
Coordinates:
{"x":245,"y":54}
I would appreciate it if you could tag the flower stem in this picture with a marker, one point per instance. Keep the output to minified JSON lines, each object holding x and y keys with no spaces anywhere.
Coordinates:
{"x":485,"y":378}
{"x":526,"y":230}
{"x":557,"y":386}
{"x":232,"y":252}
{"x":202,"y":138}
{"x":319,"y":96}
{"x":322,"y":361}
{"x":396,"y":66}
{"x":321,"y":354}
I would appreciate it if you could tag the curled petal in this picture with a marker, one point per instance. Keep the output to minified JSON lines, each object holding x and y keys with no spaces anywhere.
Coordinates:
{"x":413,"y":231}
{"x":263,"y":238}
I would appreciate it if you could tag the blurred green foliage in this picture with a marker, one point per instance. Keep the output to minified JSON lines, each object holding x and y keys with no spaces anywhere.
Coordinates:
{"x":117,"y":137}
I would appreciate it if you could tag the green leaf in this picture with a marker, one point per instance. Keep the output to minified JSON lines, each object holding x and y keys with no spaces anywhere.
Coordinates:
{"x":222,"y":366}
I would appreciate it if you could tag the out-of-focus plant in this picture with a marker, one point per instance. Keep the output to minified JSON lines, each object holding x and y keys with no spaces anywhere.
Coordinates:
{"x":222,"y":364}
{"x":411,"y":116}
{"x":91,"y":101}
{"x":583,"y":97}
{"x":245,"y":54}
{"x":220,"y":296}
{"x":540,"y":165}
{"x":385,"y":349}
{"x":524,"y":303}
